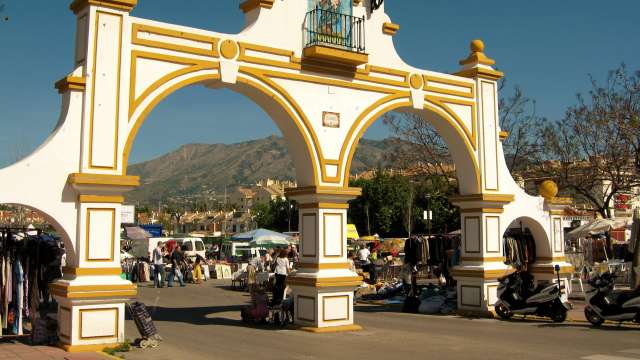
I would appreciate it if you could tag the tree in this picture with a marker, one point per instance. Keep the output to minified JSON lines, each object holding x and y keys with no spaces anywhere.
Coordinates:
{"x":519,"y":119}
{"x":279,"y":215}
{"x":422,"y":147}
{"x":593,"y":151}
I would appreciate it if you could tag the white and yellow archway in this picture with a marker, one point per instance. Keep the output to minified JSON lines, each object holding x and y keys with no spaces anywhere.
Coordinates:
{"x":322,"y":97}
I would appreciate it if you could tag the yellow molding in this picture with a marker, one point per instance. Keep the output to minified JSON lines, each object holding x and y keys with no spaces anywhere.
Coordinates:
{"x":390,"y":28}
{"x":254,"y":84}
{"x":95,"y":294}
{"x":481,"y":273}
{"x":193,"y":65}
{"x":483,"y":210}
{"x":483,"y":259}
{"x":103,"y":180}
{"x":81,"y":313}
{"x":325,"y":282}
{"x":343,"y":238}
{"x":93,"y":92}
{"x":293,"y":63}
{"x":503,"y":135}
{"x":482,"y":73}
{"x":556,"y":212}
{"x":331,"y":329}
{"x":86,"y":348}
{"x":503,"y":198}
{"x":88,"y":234}
{"x":429,"y":86}
{"x":138,"y":28}
{"x":71,"y":83}
{"x":561,"y":201}
{"x":92,"y":271}
{"x":76,"y":288}
{"x":249,"y":5}
{"x":393,"y":106}
{"x":324,"y":266}
{"x":101,"y":199}
{"x":324,"y":205}
{"x":323,"y":190}
{"x":442,"y":103}
{"x":552,"y":258}
{"x":228,"y":49}
{"x":549,"y":269}
{"x":477,"y":58}
{"x":416,"y":81}
{"x":123,"y":5}
{"x":333,"y":55}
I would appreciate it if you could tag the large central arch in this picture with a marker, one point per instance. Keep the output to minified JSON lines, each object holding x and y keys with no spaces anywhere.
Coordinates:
{"x":322,"y":94}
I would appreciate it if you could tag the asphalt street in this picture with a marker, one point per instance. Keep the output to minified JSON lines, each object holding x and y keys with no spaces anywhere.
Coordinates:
{"x":203,"y":322}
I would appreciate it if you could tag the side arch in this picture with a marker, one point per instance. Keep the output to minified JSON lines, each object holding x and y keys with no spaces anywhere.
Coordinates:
{"x":60,"y":230}
{"x":298,"y":134}
{"x":462,"y":151}
{"x":540,"y":235}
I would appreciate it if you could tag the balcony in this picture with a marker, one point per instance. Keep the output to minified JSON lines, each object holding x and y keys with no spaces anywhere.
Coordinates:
{"x":334,"y":38}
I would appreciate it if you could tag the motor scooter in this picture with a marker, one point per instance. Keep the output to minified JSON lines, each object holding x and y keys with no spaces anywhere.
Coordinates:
{"x":605,"y":303}
{"x":517,"y":296}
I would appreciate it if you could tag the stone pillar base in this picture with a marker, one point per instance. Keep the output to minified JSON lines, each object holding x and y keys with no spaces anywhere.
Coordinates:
{"x":477,"y":286}
{"x":91,"y":311}
{"x":324,"y":304}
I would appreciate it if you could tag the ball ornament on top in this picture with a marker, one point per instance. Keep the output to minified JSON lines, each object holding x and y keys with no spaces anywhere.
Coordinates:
{"x":548,"y":189}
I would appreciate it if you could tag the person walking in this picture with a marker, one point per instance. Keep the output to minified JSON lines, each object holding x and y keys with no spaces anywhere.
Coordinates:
{"x":177,"y":257}
{"x":197,"y":271}
{"x":158,"y":265}
{"x":282,"y":270}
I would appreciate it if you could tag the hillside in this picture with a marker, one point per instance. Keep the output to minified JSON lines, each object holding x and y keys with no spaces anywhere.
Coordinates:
{"x":207,"y":168}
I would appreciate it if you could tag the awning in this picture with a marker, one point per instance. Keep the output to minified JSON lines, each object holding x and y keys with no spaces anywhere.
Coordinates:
{"x":352,"y":232}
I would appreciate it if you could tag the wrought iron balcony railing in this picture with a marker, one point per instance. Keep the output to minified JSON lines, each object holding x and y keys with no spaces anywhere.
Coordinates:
{"x":332,"y":29}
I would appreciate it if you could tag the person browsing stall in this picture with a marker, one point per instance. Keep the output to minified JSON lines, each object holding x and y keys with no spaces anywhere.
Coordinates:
{"x":282,"y":270}
{"x":177,"y":257}
{"x":158,"y":265}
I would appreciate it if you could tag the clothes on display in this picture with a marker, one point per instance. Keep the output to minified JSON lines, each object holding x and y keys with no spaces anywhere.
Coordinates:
{"x":519,"y":249}
{"x":29,"y":261}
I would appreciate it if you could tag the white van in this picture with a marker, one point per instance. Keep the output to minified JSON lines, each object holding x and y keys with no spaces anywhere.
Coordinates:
{"x":240,"y":250}
{"x":194,"y":246}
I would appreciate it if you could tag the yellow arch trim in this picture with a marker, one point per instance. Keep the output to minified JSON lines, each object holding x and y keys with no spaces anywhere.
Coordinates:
{"x":428,"y":106}
{"x":201,"y":78}
{"x":193,"y":65}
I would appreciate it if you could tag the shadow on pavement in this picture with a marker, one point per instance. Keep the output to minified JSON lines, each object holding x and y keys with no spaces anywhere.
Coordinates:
{"x":606,"y":327}
{"x":203,"y":316}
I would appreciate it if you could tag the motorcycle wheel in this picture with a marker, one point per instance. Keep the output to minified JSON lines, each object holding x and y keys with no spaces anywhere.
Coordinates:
{"x":559,"y":314}
{"x":503,"y":312}
{"x":592,"y":317}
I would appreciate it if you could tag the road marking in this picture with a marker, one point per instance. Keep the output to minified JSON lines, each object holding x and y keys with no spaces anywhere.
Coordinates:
{"x":607,"y":357}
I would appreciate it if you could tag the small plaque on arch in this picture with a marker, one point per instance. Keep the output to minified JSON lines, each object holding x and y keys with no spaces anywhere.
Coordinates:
{"x":330,"y":119}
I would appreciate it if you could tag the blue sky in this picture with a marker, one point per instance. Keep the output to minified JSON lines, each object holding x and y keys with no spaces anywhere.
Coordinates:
{"x":546,"y":47}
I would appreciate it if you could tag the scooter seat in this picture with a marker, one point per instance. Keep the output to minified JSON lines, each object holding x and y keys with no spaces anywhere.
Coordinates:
{"x":622,"y":296}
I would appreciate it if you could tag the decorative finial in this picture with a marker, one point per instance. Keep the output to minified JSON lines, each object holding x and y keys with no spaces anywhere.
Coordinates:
{"x":476,"y":46}
{"x":548,"y":189}
{"x":477,"y":55}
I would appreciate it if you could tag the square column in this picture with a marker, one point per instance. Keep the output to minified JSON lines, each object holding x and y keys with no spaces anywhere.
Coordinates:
{"x":544,"y":269}
{"x":323,"y":286}
{"x":91,"y":294}
{"x":482,"y":260}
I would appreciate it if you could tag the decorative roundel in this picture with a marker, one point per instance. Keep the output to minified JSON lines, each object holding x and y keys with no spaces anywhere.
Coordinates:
{"x":229,"y":49}
{"x":416,"y":81}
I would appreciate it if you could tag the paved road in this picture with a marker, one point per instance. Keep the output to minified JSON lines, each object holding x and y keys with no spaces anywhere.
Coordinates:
{"x":203,"y":322}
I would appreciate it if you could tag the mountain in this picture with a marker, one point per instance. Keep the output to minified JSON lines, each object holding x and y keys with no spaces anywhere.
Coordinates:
{"x":207,"y":168}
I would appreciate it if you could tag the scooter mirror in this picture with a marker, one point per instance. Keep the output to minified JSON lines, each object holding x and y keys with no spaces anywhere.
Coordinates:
{"x":557,"y":267}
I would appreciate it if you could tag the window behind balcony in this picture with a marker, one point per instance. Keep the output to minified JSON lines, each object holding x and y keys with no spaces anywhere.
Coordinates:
{"x":330,"y":23}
